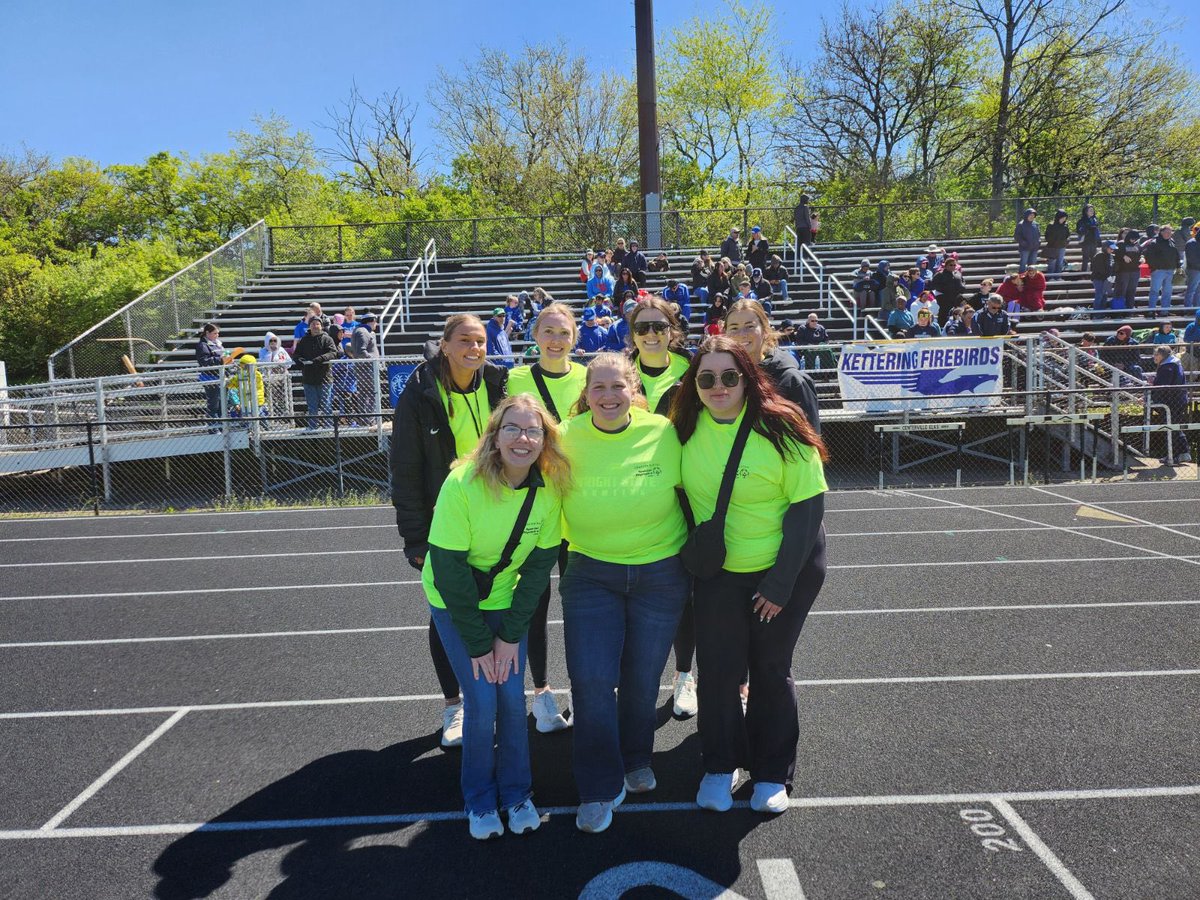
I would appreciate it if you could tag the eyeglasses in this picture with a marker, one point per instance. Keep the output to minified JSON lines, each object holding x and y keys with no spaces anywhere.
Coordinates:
{"x":706,"y":381}
{"x":644,"y":328}
{"x":512,"y":432}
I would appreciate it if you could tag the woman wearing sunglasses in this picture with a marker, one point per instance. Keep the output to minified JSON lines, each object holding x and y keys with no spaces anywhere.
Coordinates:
{"x":558,"y":382}
{"x":658,"y":351}
{"x":624,"y":587}
{"x":483,"y":589}
{"x":747,"y":324}
{"x":749,"y":615}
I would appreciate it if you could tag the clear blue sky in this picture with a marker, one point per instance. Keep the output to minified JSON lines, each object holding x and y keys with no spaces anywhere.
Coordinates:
{"x":116,"y":82}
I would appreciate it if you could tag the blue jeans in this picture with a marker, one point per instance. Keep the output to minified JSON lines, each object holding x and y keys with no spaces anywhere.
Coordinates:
{"x":1057,"y":262}
{"x":1125,"y":291}
{"x":702,"y":295}
{"x":1099,"y":295}
{"x":318,"y":399}
{"x":1160,"y":287}
{"x":1192,"y":297}
{"x":1028,"y":258}
{"x":495,"y":747}
{"x":619,"y":622}
{"x":212,"y":398}
{"x":783,"y":294}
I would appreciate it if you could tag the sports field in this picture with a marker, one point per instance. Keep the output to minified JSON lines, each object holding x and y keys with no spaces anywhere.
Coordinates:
{"x":999,"y":697}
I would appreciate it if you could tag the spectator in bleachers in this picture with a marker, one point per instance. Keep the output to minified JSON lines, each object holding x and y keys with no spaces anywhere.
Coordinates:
{"x":926,"y":301}
{"x":963,"y":324}
{"x":658,"y":354}
{"x":1165,"y":333}
{"x":499,"y":347}
{"x":1121,"y":352}
{"x":760,"y":287}
{"x":626,"y":283}
{"x":812,"y":335}
{"x":618,"y":334}
{"x":1162,"y":257}
{"x":603,"y":308}
{"x":1191,"y":337}
{"x":1012,"y":285}
{"x":1104,"y":273}
{"x":757,"y":249}
{"x":678,"y":293}
{"x":245,"y":380}
{"x":731,"y":247}
{"x":924,"y":272}
{"x":802,"y":220}
{"x":345,"y":381}
{"x":925,"y":326}
{"x":1128,"y":271}
{"x":1058,"y":235}
{"x":601,"y":284}
{"x":210,"y":354}
{"x":301,"y":329}
{"x":862,"y":284}
{"x":1170,"y":389}
{"x":993,"y":320}
{"x":931,"y":260}
{"x":1029,"y":239}
{"x":884,"y":283}
{"x":912,"y":283}
{"x":514,"y":310}
{"x":1087,"y":229}
{"x":719,"y":280}
{"x":979,"y":299}
{"x":1191,"y":258}
{"x":949,"y":287}
{"x":900,"y":319}
{"x":777,"y":276}
{"x":635,"y":261}
{"x":787,"y":333}
{"x":315,"y":353}
{"x":1033,"y":290}
{"x":364,"y":348}
{"x":618,"y":257}
{"x":587,"y":267}
{"x":702,"y":267}
{"x":592,"y":336}
{"x":714,"y":316}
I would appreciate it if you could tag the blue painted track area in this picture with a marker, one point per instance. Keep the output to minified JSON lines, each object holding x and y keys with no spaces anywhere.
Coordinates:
{"x":998,"y":698}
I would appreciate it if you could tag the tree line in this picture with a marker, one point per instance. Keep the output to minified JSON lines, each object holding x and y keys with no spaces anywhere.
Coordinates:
{"x":899,"y":102}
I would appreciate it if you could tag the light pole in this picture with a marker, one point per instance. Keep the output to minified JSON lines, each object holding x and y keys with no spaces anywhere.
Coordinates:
{"x":647,"y":101}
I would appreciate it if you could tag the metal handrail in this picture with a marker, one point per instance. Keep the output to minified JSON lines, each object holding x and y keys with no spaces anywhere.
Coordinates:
{"x":852,"y":316}
{"x":871,"y":320}
{"x":817,"y":268}
{"x":418,"y":274}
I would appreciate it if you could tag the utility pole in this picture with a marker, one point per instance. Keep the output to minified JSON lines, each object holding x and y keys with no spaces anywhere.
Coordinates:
{"x":647,"y":100}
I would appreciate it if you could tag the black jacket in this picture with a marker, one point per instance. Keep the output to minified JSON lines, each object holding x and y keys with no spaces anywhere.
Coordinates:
{"x":793,"y":384}
{"x":1058,"y":235}
{"x":209,"y":353}
{"x":1103,"y":265}
{"x":1129,"y":258}
{"x":758,"y":254}
{"x":1191,"y":252}
{"x":318,"y":350}
{"x":1161,"y":254}
{"x":700,"y":273}
{"x":422,"y":449}
{"x":731,"y":249}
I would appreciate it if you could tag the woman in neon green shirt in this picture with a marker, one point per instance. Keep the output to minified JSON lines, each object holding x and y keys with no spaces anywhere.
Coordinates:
{"x":624,"y":587}
{"x":658,"y":351}
{"x":558,"y":382}
{"x":750,"y":614}
{"x":517,"y":465}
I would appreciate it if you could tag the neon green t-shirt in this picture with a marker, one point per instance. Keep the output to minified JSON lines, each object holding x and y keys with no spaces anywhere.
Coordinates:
{"x":623,"y":508}
{"x":469,"y":417}
{"x":468,"y":516}
{"x":564,"y":389}
{"x":766,"y":485}
{"x":654,"y":387}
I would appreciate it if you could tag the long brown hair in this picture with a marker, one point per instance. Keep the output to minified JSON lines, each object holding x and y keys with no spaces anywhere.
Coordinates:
{"x":622,"y":363}
{"x":441,"y":367}
{"x":551,"y":462}
{"x":770,"y":336}
{"x":780,"y":422}
{"x":676,"y":341}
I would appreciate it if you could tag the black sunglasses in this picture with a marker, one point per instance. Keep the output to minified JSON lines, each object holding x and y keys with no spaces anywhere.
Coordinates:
{"x":644,"y":328}
{"x":707,"y":380}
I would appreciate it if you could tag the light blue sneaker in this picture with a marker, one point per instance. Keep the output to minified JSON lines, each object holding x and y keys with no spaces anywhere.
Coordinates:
{"x":523,"y":817}
{"x":716,"y":791}
{"x":596,"y":816}
{"x":769,"y":797}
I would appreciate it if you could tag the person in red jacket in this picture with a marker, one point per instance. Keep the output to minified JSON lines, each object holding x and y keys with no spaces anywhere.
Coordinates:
{"x":1033,"y":293}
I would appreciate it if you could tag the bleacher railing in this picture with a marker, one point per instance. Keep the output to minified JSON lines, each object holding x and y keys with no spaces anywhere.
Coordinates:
{"x":398,"y":309}
{"x":920,"y":221}
{"x":170,"y":311}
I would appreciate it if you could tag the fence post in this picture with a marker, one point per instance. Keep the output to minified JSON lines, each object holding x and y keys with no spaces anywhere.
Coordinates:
{"x":92,"y":470}
{"x":102,"y":420}
{"x":337,"y":456}
{"x":407,"y":240}
{"x":341,"y":254}
{"x":880,"y":222}
{"x":129,"y":334}
{"x":1154,"y":218}
{"x":542,"y":219}
{"x":227,"y":451}
{"x":745,"y":220}
{"x":474,"y":237}
{"x":949,"y":219}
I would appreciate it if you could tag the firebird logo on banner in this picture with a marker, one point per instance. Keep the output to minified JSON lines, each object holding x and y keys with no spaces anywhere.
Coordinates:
{"x":925,"y":374}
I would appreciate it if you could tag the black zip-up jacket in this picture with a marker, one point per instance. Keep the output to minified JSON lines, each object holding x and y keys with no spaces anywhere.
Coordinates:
{"x":1058,"y":235}
{"x":1191,"y":252}
{"x":1161,"y":254}
{"x":793,"y":384}
{"x":1129,"y":258}
{"x":318,"y":350}
{"x":1103,"y":266}
{"x":422,"y":448}
{"x":758,"y":254}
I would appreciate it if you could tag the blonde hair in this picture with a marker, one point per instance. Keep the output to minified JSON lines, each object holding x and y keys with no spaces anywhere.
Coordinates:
{"x":551,"y":462}
{"x":443,"y":365}
{"x":770,"y":336}
{"x":621,"y":363}
{"x":557,"y":308}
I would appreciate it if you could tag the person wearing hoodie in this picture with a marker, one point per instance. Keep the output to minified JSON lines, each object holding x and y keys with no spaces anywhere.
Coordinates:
{"x":1191,"y":338}
{"x":1104,"y":273}
{"x":899,"y":320}
{"x":1128,"y":267}
{"x":862,"y":283}
{"x":1121,"y":352}
{"x":440,"y":415}
{"x":271,"y":352}
{"x":316,"y":353}
{"x":1163,"y":259}
{"x":498,"y":343}
{"x":1029,"y":239}
{"x":677,"y":292}
{"x":758,"y":251}
{"x":601,"y":284}
{"x":1033,"y":293}
{"x":1191,"y":259}
{"x":802,"y":220}
{"x":964,"y":324}
{"x":948,"y":283}
{"x":813,"y":335}
{"x":635,"y":261}
{"x":279,"y":384}
{"x":912,"y":282}
{"x":1087,"y":229}
{"x":1058,"y":235}
{"x":883,"y":282}
{"x":592,"y":336}
{"x":1170,"y":389}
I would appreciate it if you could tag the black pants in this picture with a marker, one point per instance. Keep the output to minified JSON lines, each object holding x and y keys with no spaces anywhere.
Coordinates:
{"x":729,"y":639}
{"x":441,"y":664}
{"x":536,"y":653}
{"x":685,"y":636}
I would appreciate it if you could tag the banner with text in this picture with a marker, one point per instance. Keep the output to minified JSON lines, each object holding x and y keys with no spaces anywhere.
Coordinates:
{"x":918,"y":374}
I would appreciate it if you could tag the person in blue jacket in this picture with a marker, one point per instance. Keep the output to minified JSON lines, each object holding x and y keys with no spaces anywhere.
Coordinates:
{"x":499,"y":347}
{"x":618,"y":333}
{"x":1087,"y":229}
{"x":1170,"y":389}
{"x":1191,"y":337}
{"x":925,"y":326}
{"x":678,"y":293}
{"x":601,"y":284}
{"x":1191,"y":260}
{"x":1028,"y":236}
{"x":592,"y":337}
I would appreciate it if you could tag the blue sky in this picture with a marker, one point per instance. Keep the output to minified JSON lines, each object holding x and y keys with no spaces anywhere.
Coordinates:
{"x":119,"y":81}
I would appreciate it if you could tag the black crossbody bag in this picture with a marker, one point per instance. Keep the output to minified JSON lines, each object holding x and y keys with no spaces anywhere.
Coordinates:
{"x":540,"y":380}
{"x":485,"y":580}
{"x":703,"y":554}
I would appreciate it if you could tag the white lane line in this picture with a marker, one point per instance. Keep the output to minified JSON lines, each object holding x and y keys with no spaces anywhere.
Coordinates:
{"x":954,"y":532}
{"x":383,"y":629}
{"x":211,"y":558}
{"x":183,"y":592}
{"x":195,"y":513}
{"x":170,"y":534}
{"x":91,"y":789}
{"x":882,"y":800}
{"x":665,"y":688}
{"x":1050,"y":561}
{"x":1044,"y":853}
{"x":779,"y":879}
{"x":1146,"y":522}
{"x":1190,"y":560}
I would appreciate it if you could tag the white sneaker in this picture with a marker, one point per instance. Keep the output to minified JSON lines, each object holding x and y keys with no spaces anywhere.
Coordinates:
{"x":452,"y":718}
{"x":596,"y":816}
{"x":545,"y":712}
{"x":485,"y":825}
{"x":744,"y":692}
{"x":1184,"y":458}
{"x":523,"y":817}
{"x":769,"y":797}
{"x":640,"y":781}
{"x":685,"y":695}
{"x":716,"y":791}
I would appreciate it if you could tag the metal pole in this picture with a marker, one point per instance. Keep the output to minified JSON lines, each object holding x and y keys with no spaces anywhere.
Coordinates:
{"x":226,"y":452}
{"x":649,"y":172}
{"x":1154,"y":210}
{"x":949,"y":219}
{"x":880,"y":223}
{"x":92,"y":470}
{"x":337,"y":456}
{"x":543,"y":225}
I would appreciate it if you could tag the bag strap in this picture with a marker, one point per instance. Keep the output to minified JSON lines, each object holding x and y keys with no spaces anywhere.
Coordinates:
{"x":731,"y":467}
{"x":514,"y":538}
{"x":540,"y":380}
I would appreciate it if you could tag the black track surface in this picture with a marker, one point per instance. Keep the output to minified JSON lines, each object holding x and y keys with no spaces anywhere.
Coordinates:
{"x":1020,"y":660}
